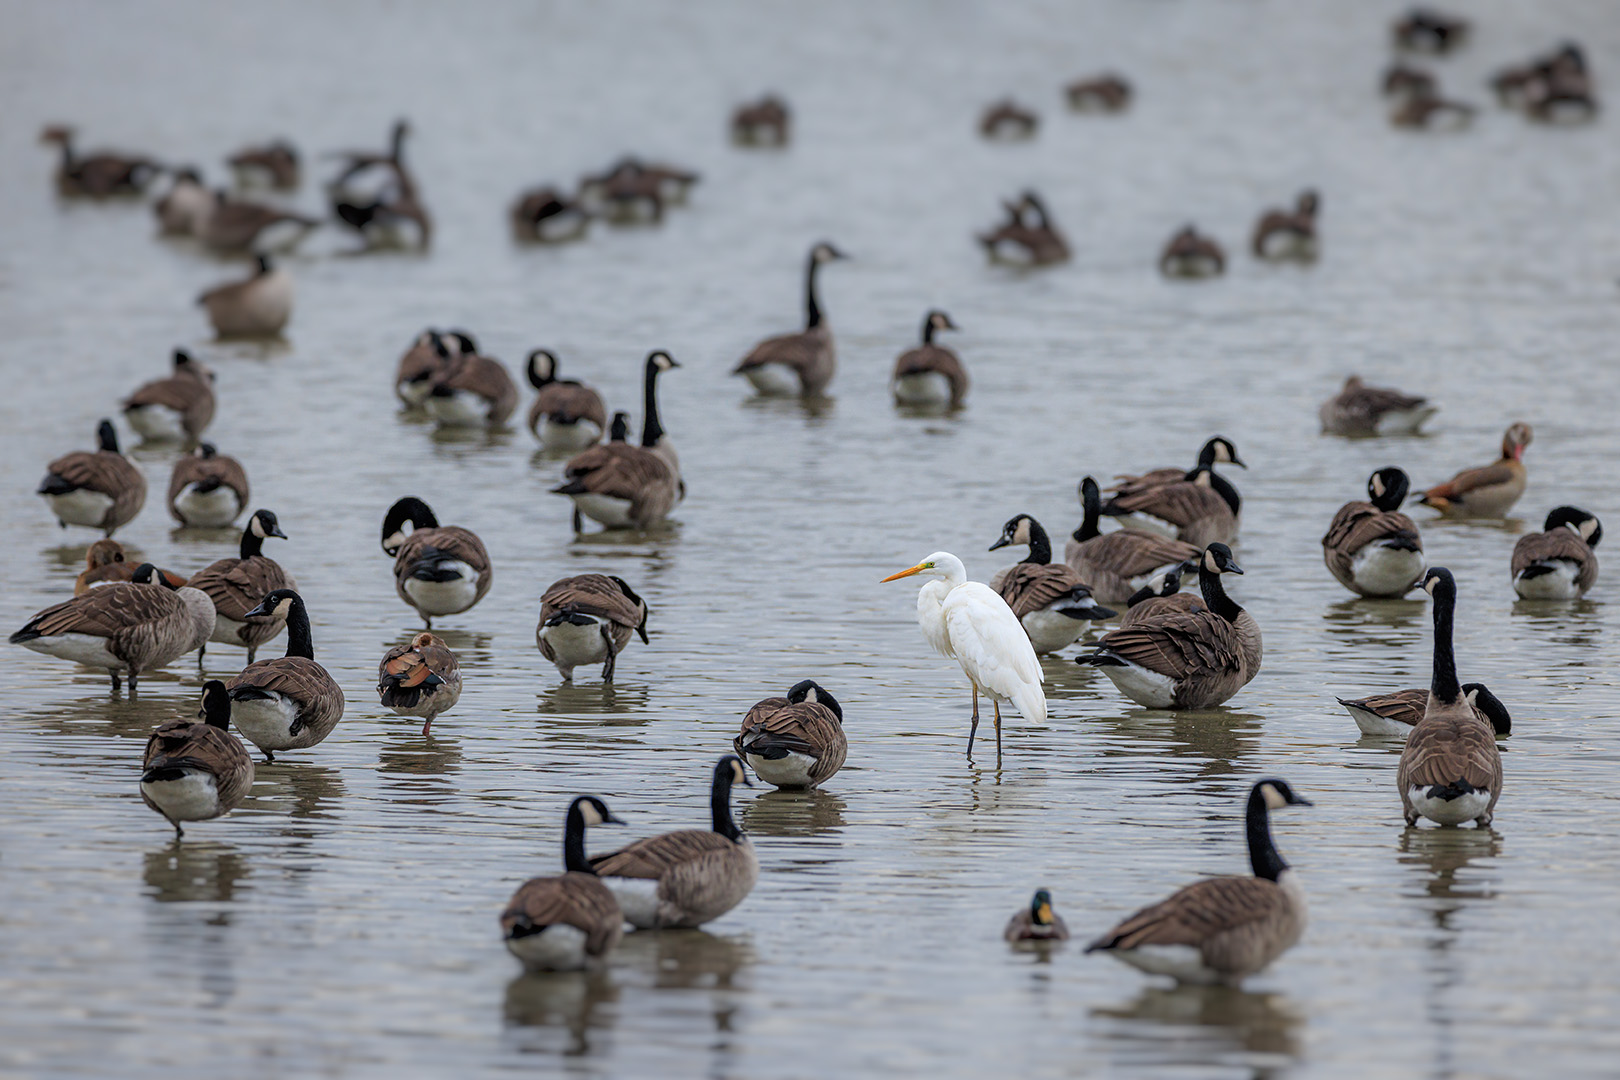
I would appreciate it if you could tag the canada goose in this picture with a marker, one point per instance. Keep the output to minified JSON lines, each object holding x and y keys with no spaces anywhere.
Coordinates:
{"x":1281,"y":234}
{"x":235,"y":587}
{"x":1051,"y":601}
{"x":257,"y":306}
{"x":1489,"y":491}
{"x":623,"y":486}
{"x":627,"y":193}
{"x":1203,"y":508}
{"x":1007,"y":119}
{"x":420,"y":365}
{"x":1359,"y":409}
{"x":183,"y":208}
{"x":234,"y":226}
{"x":667,"y":183}
{"x":930,"y":374}
{"x":363,"y":173}
{"x":207,"y":490}
{"x":1558,"y":563}
{"x":1222,"y":929}
{"x":566,"y":922}
{"x":1371,"y":548}
{"x":1037,"y":922}
{"x":134,"y":626}
{"x":104,"y":564}
{"x":1186,"y":660}
{"x":1117,"y":564}
{"x":687,"y":878}
{"x":1101,"y":93}
{"x":566,"y":415}
{"x":288,"y":702}
{"x":196,"y":770}
{"x":100,"y":174}
{"x":98,"y":488}
{"x":803,"y":362}
{"x":1450,"y":771}
{"x":1191,"y":254}
{"x":588,"y":619}
{"x":1429,"y":31}
{"x":1401,"y":78}
{"x":177,"y":408}
{"x":546,"y":215}
{"x":390,"y":216}
{"x":1560,"y":72}
{"x":760,"y":122}
{"x":275,"y":163}
{"x":1430,"y":112}
{"x":1218,"y":450}
{"x":472,"y":391}
{"x":422,"y":679}
{"x":438,"y":569}
{"x":1397,"y":713}
{"x":1161,"y":596}
{"x":1019,"y":239}
{"x":794,"y":742}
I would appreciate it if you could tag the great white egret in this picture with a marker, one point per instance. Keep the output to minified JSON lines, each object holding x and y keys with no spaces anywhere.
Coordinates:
{"x":966,"y":621}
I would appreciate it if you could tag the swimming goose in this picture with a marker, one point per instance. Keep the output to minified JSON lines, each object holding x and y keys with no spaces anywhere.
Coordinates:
{"x":422,"y":678}
{"x":1564,"y":68}
{"x":104,"y":564}
{"x":1371,"y":548}
{"x":207,"y":490}
{"x":1162,"y":595}
{"x":930,"y":374}
{"x":472,"y":391}
{"x":1429,"y":31}
{"x":623,"y":486}
{"x":1051,"y":601}
{"x":589,"y":619}
{"x":1560,"y":562}
{"x":570,"y":921}
{"x":1020,"y":240}
{"x":99,"y":488}
{"x":288,"y":702}
{"x":196,"y":770}
{"x":177,"y":408}
{"x":1489,"y":491}
{"x":1191,"y":254}
{"x":1397,"y":713}
{"x":1218,"y":450}
{"x":1037,"y":922}
{"x":132,"y":627}
{"x":1007,"y":119}
{"x":275,"y":164}
{"x":566,"y":415}
{"x":800,"y":363}
{"x":1119,"y":563}
{"x":1359,"y":409}
{"x":687,"y":878}
{"x":1427,"y":110}
{"x":234,"y":226}
{"x":1186,"y":660}
{"x":794,"y":742}
{"x":100,"y":174}
{"x":256,"y":306}
{"x":1102,"y":93}
{"x":235,"y":587}
{"x":1202,"y":508}
{"x":438,"y":570}
{"x":1281,"y":234}
{"x":753,"y":122}
{"x":1451,"y":770}
{"x":1223,"y":929}
{"x":546,"y":215}
{"x":185,"y":206}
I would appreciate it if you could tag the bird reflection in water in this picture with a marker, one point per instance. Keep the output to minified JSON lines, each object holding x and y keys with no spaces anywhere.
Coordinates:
{"x":409,"y":754}
{"x":617,"y":703}
{"x":296,"y":789}
{"x":192,"y":886}
{"x":810,"y":812}
{"x":1393,"y":627}
{"x":1571,"y":623}
{"x":1203,"y":1027}
{"x":574,"y":1006}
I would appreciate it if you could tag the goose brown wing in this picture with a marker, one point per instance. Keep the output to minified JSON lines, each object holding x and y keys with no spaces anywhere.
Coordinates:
{"x":296,"y":677}
{"x":191,"y":470}
{"x":1180,"y":503}
{"x":451,"y":540}
{"x":1502,"y":472}
{"x":1358,"y":524}
{"x":107,"y":612}
{"x":489,"y":380}
{"x":1028,"y":587}
{"x":1131,"y":553}
{"x":1449,"y":744}
{"x":99,"y":470}
{"x":570,"y":402}
{"x":1179,"y":644}
{"x":237,"y":585}
{"x":1126,"y":484}
{"x":807,"y":727}
{"x":177,"y":394}
{"x":619,"y":470}
{"x":1198,"y":913}
{"x":194,"y":744}
{"x":1402,"y":706}
{"x":656,"y":855}
{"x":798,"y":351}
{"x":1155,"y":607}
{"x":571,"y":899}
{"x":592,"y":594}
{"x":1560,"y":543}
{"x":934,"y":358}
{"x":1368,"y":403}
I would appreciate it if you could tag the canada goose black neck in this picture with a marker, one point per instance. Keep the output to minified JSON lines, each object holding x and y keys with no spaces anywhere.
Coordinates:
{"x":574,"y":859}
{"x":720,"y":798}
{"x":536,"y":380}
{"x":1091,"y":505}
{"x":299,"y":640}
{"x":1444,"y":683}
{"x":1490,"y":706}
{"x":107,"y":437}
{"x":1040,"y":545}
{"x":652,"y":429}
{"x":1263,"y":856}
{"x":812,"y":305}
{"x":396,"y":143}
{"x":216,"y":705}
{"x":409,"y":509}
{"x":1577,"y":520}
{"x":252,"y":542}
{"x":619,"y":431}
{"x":1395,"y":483}
{"x":1222,"y":487}
{"x":1034,"y":203}
{"x":1215,"y":598}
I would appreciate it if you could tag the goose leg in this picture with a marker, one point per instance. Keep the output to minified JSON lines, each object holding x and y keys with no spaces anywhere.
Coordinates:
{"x":178,"y":831}
{"x":426,"y":727}
{"x":115,"y":682}
{"x":579,"y":521}
{"x":428,"y":619}
{"x":269,"y":758}
{"x":133,"y":674}
{"x":200,"y":650}
{"x":252,"y":652}
{"x":607,"y":668}
{"x":974,"y":730}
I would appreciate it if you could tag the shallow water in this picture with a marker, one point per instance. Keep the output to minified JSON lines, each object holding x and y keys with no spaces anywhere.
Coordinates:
{"x":342,"y":922}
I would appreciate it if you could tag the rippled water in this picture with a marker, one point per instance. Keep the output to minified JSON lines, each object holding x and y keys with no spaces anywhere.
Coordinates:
{"x":343,"y":921}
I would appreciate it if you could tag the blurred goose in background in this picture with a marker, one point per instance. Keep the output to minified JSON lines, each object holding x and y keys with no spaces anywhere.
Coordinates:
{"x":1222,"y":929}
{"x":589,"y":619}
{"x":104,"y":563}
{"x":1359,"y":409}
{"x":1162,"y":595}
{"x":546,"y":215}
{"x":1119,"y":563}
{"x":803,"y":362}
{"x":1027,"y":237}
{"x":1429,"y":31}
{"x":207,"y":490}
{"x":185,"y":206}
{"x":234,"y":226}
{"x":1006,"y":119}
{"x":634,"y":178}
{"x":100,"y":174}
{"x":438,"y":569}
{"x":235,"y":587}
{"x":257,"y":306}
{"x":1202,"y":508}
{"x":762,"y":122}
{"x":570,"y":921}
{"x":1428,"y":111}
{"x":1371,"y":548}
{"x":394,"y":217}
{"x":471,"y":391}
{"x":1564,"y":68}
{"x":1051,"y":601}
{"x":421,"y":678}
{"x":274,"y":164}
{"x":289,"y":702}
{"x":1397,"y":713}
{"x":1100,"y":93}
{"x":177,"y":408}
{"x":1284,"y":234}
{"x":1037,"y":922}
{"x":428,"y":356}
{"x":196,"y":770}
{"x":930,"y":375}
{"x":1190,"y":254}
{"x":1401,"y":80}
{"x":1489,"y":491}
{"x":99,"y":489}
{"x":1560,"y":562}
{"x":362,"y":174}
{"x":623,"y":486}
{"x":794,"y":742}
{"x":566,"y":414}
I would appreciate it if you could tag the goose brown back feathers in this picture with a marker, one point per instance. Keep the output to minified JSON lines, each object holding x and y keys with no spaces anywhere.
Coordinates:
{"x":805,"y":727}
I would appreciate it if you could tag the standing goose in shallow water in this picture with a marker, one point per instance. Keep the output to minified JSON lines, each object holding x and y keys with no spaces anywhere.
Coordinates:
{"x":438,"y":569}
{"x":1218,"y":450}
{"x":589,"y":619}
{"x":623,"y":486}
{"x":472,"y":391}
{"x":762,"y":122}
{"x":1027,"y":237}
{"x":794,"y":742}
{"x":1051,"y":601}
{"x":207,"y":490}
{"x":259,"y":305}
{"x":422,"y":678}
{"x":1398,"y":713}
{"x":930,"y":374}
{"x":1489,"y":491}
{"x":801,"y":363}
{"x":185,"y":206}
{"x":420,"y":366}
{"x":1283,"y":234}
{"x":100,"y":174}
{"x":1371,"y":548}
{"x":98,"y":488}
{"x":687,"y":878}
{"x":1359,"y":409}
{"x":290,"y":702}
{"x":104,"y":564}
{"x":176,"y":408}
{"x":1221,"y":930}
{"x":570,"y":921}
{"x":275,"y":164}
{"x":235,"y":587}
{"x":1560,"y":562}
{"x":1451,"y":770}
{"x":195,"y":770}
{"x":566,"y":415}
{"x":1037,"y":922}
{"x":1119,"y":564}
{"x":1191,"y":254}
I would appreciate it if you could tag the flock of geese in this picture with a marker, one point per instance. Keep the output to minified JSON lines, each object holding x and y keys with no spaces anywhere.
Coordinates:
{"x":1172,"y":649}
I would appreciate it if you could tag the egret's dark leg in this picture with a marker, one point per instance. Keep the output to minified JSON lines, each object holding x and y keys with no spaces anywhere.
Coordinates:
{"x":974,"y":730}
{"x":997,"y":704}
